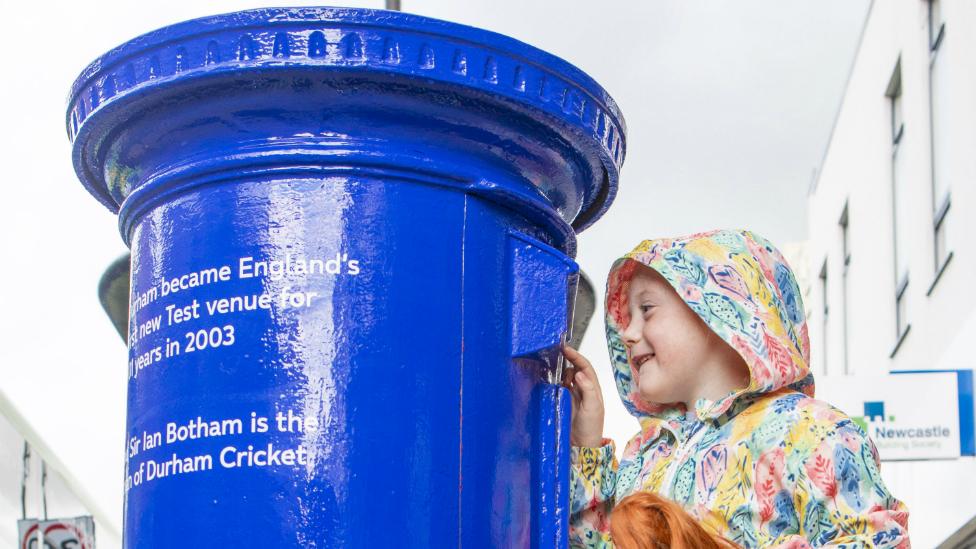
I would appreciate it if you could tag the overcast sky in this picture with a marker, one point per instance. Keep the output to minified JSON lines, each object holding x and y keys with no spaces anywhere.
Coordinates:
{"x":729,"y":105}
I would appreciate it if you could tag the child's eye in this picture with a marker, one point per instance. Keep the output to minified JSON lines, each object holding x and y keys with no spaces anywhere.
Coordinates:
{"x":644,"y":309}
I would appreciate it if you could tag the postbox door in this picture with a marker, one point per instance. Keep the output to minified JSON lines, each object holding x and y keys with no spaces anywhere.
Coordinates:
{"x":517,"y":302}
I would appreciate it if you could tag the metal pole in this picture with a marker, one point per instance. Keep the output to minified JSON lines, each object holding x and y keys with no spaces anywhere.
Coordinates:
{"x":40,"y":502}
{"x":23,"y":480}
{"x":44,"y":486}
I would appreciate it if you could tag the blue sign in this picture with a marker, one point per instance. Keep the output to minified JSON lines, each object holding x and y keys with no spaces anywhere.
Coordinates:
{"x":967,"y":412}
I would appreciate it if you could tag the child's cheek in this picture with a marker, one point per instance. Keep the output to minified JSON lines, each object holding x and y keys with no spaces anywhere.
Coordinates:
{"x":662,"y":332}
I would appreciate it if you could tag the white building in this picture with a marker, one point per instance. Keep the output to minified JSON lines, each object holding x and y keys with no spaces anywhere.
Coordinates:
{"x":890,"y":216}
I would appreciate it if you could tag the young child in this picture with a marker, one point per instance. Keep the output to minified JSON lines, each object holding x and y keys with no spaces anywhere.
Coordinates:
{"x":709,"y":349}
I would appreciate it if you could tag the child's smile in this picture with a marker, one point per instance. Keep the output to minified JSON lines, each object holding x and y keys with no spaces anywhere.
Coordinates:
{"x":639,"y":360}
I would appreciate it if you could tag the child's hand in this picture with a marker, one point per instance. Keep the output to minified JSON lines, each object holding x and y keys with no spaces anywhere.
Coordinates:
{"x":588,"y":408}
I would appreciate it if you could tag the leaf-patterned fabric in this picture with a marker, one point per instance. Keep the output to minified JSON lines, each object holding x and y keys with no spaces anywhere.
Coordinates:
{"x":767,"y":466}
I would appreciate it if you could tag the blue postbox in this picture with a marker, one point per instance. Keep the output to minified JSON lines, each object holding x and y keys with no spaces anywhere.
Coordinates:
{"x":352,"y":235}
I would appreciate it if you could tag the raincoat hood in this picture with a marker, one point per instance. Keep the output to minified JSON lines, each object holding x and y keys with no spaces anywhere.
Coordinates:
{"x":744,"y":290}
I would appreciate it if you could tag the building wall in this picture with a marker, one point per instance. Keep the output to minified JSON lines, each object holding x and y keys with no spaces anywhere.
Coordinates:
{"x":857,"y":170}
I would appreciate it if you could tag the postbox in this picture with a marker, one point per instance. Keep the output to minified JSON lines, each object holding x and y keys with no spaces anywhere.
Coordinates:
{"x":352,"y":235}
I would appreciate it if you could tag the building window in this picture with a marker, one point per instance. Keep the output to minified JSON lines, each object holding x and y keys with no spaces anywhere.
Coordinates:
{"x":936,"y":24}
{"x":901,"y":230}
{"x":846,"y":250}
{"x":894,"y":98}
{"x":826,"y":315}
{"x":941,"y":248}
{"x":939,"y":121}
{"x":901,"y":307}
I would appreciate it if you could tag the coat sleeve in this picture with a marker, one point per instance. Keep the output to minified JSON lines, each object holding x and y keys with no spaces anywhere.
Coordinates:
{"x":593,"y":481}
{"x":841,"y":499}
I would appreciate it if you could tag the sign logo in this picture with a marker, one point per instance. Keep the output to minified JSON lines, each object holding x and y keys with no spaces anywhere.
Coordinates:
{"x":873,"y":411}
{"x":889,"y":433}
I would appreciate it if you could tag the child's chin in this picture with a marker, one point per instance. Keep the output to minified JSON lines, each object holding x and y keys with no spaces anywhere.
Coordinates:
{"x":652,"y":396}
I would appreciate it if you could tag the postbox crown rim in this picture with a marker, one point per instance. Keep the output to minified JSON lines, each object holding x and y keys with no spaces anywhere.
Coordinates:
{"x":548,"y":84}
{"x":362,"y":16}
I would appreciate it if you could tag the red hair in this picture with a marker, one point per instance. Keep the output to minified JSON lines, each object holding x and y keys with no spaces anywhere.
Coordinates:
{"x":645,"y":520}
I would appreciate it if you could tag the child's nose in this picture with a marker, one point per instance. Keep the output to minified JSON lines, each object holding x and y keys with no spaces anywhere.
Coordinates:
{"x":631,"y":335}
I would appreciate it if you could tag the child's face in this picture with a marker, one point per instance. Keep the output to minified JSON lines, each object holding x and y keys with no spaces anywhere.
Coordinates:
{"x":668,"y":345}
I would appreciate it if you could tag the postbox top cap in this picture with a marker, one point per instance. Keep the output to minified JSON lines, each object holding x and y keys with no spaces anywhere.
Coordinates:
{"x":388,"y":41}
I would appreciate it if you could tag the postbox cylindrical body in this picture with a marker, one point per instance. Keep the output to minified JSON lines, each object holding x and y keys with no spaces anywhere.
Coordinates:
{"x":352,"y":235}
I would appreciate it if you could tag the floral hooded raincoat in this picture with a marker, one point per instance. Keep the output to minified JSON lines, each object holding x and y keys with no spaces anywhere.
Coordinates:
{"x":767,"y":466}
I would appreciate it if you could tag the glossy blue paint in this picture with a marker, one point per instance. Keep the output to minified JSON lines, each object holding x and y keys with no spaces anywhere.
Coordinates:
{"x":425,"y":181}
{"x":551,"y":482}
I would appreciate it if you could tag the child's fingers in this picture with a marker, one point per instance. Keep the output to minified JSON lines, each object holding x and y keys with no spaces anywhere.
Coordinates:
{"x":577,"y":394}
{"x":578,"y":360}
{"x":568,"y":376}
{"x":571,"y":383}
{"x":583,"y":380}
{"x":585,"y":376}
{"x":589,"y":388}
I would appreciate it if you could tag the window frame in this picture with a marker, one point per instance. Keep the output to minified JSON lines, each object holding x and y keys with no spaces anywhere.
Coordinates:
{"x":901,"y":277}
{"x":844,"y":223}
{"x":941,"y":255}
